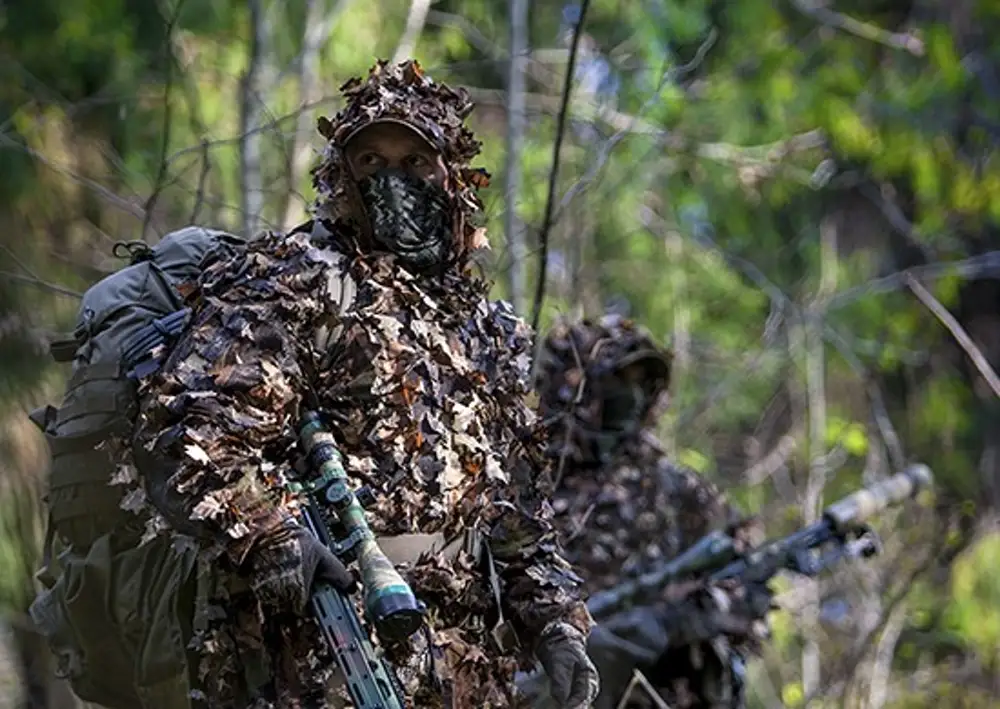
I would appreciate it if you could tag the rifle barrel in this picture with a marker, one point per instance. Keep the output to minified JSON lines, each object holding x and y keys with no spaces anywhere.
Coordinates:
{"x":866,"y":503}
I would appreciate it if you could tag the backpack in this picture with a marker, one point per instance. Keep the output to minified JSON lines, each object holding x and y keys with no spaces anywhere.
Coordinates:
{"x":115,"y":613}
{"x":125,"y":327}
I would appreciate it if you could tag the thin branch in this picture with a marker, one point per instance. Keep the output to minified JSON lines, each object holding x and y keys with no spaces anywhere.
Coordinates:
{"x":237,"y":139}
{"x":639,"y":681}
{"x":319,"y":25}
{"x":957,"y":331}
{"x":864,"y":30}
{"x":701,"y":234}
{"x":250,"y":99}
{"x":416,"y":18}
{"x":37,"y":282}
{"x":885,"y":650}
{"x":516,"y":119}
{"x":554,"y":174}
{"x":124,"y":205}
{"x":903,"y":589}
{"x":206,"y":166}
{"x":778,"y":457}
{"x":609,"y":145}
{"x":985,"y":265}
{"x":168,"y":85}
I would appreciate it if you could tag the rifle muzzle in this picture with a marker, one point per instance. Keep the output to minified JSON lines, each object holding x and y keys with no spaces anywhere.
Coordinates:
{"x":388,"y":599}
{"x":866,"y":503}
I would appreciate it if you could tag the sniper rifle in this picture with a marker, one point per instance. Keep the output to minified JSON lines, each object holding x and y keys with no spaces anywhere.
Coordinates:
{"x":841,"y":532}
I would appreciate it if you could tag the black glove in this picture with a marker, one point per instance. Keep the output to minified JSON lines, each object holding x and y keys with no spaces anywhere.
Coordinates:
{"x":573,"y":679}
{"x":284,"y":570}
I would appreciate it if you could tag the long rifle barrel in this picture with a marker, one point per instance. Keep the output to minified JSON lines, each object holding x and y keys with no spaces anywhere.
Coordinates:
{"x":866,"y":503}
{"x":715,"y":555}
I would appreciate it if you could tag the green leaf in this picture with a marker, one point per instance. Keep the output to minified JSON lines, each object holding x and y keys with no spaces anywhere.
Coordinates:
{"x":855,"y":440}
{"x":695,"y":460}
{"x":792,"y":694}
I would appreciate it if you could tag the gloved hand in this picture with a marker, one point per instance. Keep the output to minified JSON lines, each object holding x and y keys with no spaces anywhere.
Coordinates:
{"x":284,"y":569}
{"x":573,"y":679}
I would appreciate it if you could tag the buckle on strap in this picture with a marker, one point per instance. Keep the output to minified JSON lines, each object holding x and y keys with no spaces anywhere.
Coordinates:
{"x":144,"y":352}
{"x":476,"y":544}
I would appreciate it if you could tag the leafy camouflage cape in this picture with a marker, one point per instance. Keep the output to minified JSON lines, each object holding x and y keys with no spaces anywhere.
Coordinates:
{"x":620,"y":503}
{"x":426,"y":379}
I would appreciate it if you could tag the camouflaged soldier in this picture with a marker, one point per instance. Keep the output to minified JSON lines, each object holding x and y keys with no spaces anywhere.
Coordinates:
{"x":620,"y":504}
{"x":372,"y":313}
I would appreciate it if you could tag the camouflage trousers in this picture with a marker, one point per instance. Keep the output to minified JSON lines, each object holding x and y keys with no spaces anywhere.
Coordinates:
{"x":153,"y":621}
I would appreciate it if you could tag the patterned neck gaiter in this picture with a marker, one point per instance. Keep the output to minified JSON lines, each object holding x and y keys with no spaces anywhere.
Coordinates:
{"x":409,"y":217}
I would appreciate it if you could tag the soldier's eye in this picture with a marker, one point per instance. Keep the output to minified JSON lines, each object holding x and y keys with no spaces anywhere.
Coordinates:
{"x":371,"y":160}
{"x":417,"y":162}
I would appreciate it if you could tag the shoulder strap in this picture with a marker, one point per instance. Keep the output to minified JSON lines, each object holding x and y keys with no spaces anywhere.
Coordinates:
{"x":64,"y":349}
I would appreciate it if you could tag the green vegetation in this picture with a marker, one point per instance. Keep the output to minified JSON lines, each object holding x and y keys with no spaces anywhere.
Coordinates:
{"x":750,"y":170}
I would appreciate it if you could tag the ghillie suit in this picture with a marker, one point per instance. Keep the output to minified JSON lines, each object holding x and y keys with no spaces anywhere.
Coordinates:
{"x":423,"y":381}
{"x":620,"y":504}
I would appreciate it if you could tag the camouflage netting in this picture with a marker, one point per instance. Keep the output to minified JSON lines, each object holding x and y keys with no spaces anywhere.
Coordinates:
{"x":405,"y":94}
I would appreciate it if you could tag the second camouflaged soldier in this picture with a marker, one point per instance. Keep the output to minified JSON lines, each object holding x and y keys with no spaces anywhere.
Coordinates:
{"x":621,"y":504}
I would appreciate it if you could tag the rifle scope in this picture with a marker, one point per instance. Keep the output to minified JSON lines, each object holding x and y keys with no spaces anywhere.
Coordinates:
{"x":389,"y":601}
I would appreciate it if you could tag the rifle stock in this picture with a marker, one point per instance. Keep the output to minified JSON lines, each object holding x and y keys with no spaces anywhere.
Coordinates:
{"x":370,"y":680}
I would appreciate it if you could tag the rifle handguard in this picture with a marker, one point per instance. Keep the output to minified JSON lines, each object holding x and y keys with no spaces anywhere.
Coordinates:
{"x":389,"y":601}
{"x":866,"y":503}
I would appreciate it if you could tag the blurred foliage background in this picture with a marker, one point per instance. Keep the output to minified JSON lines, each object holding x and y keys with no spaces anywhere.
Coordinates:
{"x":802,"y":197}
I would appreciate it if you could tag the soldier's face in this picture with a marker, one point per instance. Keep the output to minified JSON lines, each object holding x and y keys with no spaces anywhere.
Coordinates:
{"x":403,"y":184}
{"x":393,"y":146}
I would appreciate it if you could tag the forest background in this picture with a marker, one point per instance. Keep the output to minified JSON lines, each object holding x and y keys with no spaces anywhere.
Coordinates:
{"x":801,"y":197}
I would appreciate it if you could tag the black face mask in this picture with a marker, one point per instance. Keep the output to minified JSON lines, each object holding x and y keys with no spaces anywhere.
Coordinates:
{"x":623,"y":409}
{"x":409,"y":217}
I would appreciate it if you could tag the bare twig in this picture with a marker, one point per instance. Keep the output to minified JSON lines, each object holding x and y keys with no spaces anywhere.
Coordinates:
{"x":985,"y":265}
{"x":124,"y":205}
{"x":37,"y":282}
{"x":270,"y":125}
{"x":251,"y":180}
{"x":168,"y":83}
{"x":416,"y":18}
{"x":885,"y":650}
{"x":554,"y":173}
{"x":516,"y":119}
{"x":320,"y":21}
{"x":609,"y":145}
{"x":879,"y":411}
{"x":639,"y":681}
{"x":766,"y":466}
{"x":701,"y":233}
{"x":956,"y":330}
{"x":206,"y":166}
{"x":864,"y":30}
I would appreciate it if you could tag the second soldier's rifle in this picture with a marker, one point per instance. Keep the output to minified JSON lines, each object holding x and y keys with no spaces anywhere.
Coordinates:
{"x":840,"y":533}
{"x":335,"y":516}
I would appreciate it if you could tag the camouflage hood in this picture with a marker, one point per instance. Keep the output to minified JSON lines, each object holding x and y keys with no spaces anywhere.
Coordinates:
{"x":403,"y":94}
{"x":587,"y":371}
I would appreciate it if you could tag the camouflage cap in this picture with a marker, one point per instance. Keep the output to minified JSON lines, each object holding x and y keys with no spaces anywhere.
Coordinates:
{"x":403,"y":94}
{"x":575,"y":356}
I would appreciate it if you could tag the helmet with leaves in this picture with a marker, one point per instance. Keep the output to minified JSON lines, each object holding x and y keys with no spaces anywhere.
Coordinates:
{"x":404,"y":94}
{"x":601,"y":379}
